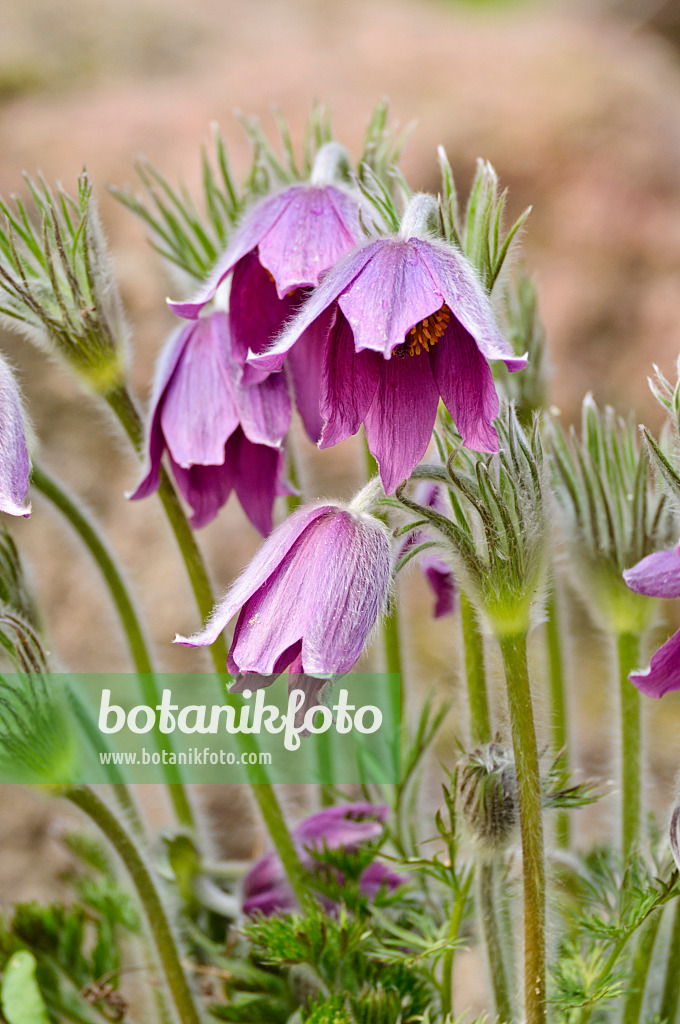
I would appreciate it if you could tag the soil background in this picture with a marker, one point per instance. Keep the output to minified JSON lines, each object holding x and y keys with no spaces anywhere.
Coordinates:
{"x":577,"y":105}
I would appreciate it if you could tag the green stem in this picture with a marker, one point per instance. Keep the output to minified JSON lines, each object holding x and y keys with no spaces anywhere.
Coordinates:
{"x":446,"y":993}
{"x":475,"y":675}
{"x":486,"y":905}
{"x":560,"y":721}
{"x":264,"y":794}
{"x":159,"y":926}
{"x":514,"y":651}
{"x":639,"y":969}
{"x":628,"y":654}
{"x":671,"y":986}
{"x":139,"y":650}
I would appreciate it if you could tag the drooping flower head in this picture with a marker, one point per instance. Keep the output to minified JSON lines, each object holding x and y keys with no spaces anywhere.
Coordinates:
{"x":283,"y":246}
{"x":14,"y":462}
{"x":309,"y":599}
{"x":658,"y":575}
{"x":347,"y":827}
{"x":220,"y":435}
{"x":405,"y":321}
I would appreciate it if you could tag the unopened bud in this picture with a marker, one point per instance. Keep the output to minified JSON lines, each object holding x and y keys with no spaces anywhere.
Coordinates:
{"x":487,"y":784}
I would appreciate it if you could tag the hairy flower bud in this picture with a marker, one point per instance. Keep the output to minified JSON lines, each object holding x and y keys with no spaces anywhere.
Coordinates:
{"x":487,"y":784}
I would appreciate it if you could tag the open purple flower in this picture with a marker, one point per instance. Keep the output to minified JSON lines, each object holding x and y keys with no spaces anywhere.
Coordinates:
{"x":406,"y":321}
{"x":658,"y":575}
{"x":283,"y":246}
{"x":14,"y":463}
{"x":347,"y":827}
{"x":220,"y":434}
{"x":308,"y":600}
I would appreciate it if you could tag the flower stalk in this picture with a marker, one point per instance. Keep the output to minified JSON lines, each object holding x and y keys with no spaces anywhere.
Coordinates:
{"x":558,"y":697}
{"x":475,"y":675}
{"x":630,"y":755}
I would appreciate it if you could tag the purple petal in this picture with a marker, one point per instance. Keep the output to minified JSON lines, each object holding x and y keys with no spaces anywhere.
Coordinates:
{"x":392,"y":293}
{"x":264,"y":410}
{"x":443,"y":584}
{"x":14,"y":463}
{"x":256,"y":313}
{"x":318,"y":226}
{"x":379,"y":876}
{"x":305,"y":366}
{"x":259,"y":571}
{"x":466,"y":385}
{"x":657,"y":575}
{"x":352,"y":574}
{"x":465,"y":297}
{"x":313,"y":689}
{"x":205,"y":488}
{"x":255,"y":224}
{"x":343,"y":826}
{"x":400,"y":420}
{"x":198,"y":411}
{"x":348,"y":385}
{"x":663,"y":673}
{"x":258,"y":472}
{"x":330,"y":286}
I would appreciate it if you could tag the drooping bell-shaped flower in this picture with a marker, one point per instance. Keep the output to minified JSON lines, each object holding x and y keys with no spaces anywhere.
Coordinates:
{"x":308,"y":600}
{"x":658,"y":575}
{"x":406,"y":321}
{"x":281,"y":249}
{"x":344,"y":827}
{"x":14,"y":462}
{"x":220,"y":435}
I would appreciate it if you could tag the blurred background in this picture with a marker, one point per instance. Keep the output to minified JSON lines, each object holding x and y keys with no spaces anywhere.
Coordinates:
{"x":577,"y":105}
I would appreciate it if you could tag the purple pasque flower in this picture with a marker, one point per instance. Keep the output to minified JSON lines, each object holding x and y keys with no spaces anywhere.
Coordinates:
{"x":434,"y":568}
{"x":14,"y":462}
{"x":658,"y":575}
{"x":220,"y":435}
{"x":283,"y":246}
{"x":347,"y":827}
{"x":308,"y":601}
{"x":405,"y":321}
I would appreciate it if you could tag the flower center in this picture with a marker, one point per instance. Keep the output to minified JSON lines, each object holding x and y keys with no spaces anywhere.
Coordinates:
{"x":425,"y":334}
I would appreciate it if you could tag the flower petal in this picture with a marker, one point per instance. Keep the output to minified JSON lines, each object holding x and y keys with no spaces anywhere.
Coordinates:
{"x":465,"y":297}
{"x":198,"y":411}
{"x":466,"y":385}
{"x":256,"y":313}
{"x":258,"y":469}
{"x":348,"y":384}
{"x":443,"y":583}
{"x":657,"y":575}
{"x":264,"y":410}
{"x":205,"y":488}
{"x":257,"y":221}
{"x":344,"y":826}
{"x":14,"y":463}
{"x":330,"y":286}
{"x":393,"y":292}
{"x":400,"y":420}
{"x":318,"y":226}
{"x":261,"y":570}
{"x":663,"y":673}
{"x":352,"y":575}
{"x":305,"y":366}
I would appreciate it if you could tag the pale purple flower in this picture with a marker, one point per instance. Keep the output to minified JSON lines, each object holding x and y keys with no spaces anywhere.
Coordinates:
{"x":283,"y":246}
{"x":308,"y":600}
{"x":434,"y":568}
{"x":220,"y":434}
{"x":14,"y":462}
{"x":347,"y":827}
{"x":658,"y":575}
{"x":406,"y":321}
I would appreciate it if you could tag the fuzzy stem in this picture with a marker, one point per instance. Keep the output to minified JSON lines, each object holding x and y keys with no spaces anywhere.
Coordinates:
{"x":486,"y":904}
{"x":129,"y":619}
{"x":628,"y":656}
{"x":446,"y":991}
{"x":159,"y":926}
{"x":475,"y":675}
{"x":639,"y":969}
{"x":560,"y":720}
{"x":668,"y":1010}
{"x":262,"y":790}
{"x":514,"y":651}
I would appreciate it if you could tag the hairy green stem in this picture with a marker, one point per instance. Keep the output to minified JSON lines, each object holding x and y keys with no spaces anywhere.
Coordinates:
{"x":129,"y":618}
{"x":560,"y":720}
{"x":639,"y":969}
{"x":88,"y":801}
{"x":475,"y":674}
{"x":262,"y":790}
{"x":486,"y":906}
{"x":446,"y":991}
{"x":670,"y":996}
{"x":514,"y":651}
{"x":628,"y":657}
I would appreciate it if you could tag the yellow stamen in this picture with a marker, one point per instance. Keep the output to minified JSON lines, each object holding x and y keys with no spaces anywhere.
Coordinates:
{"x":425,"y":334}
